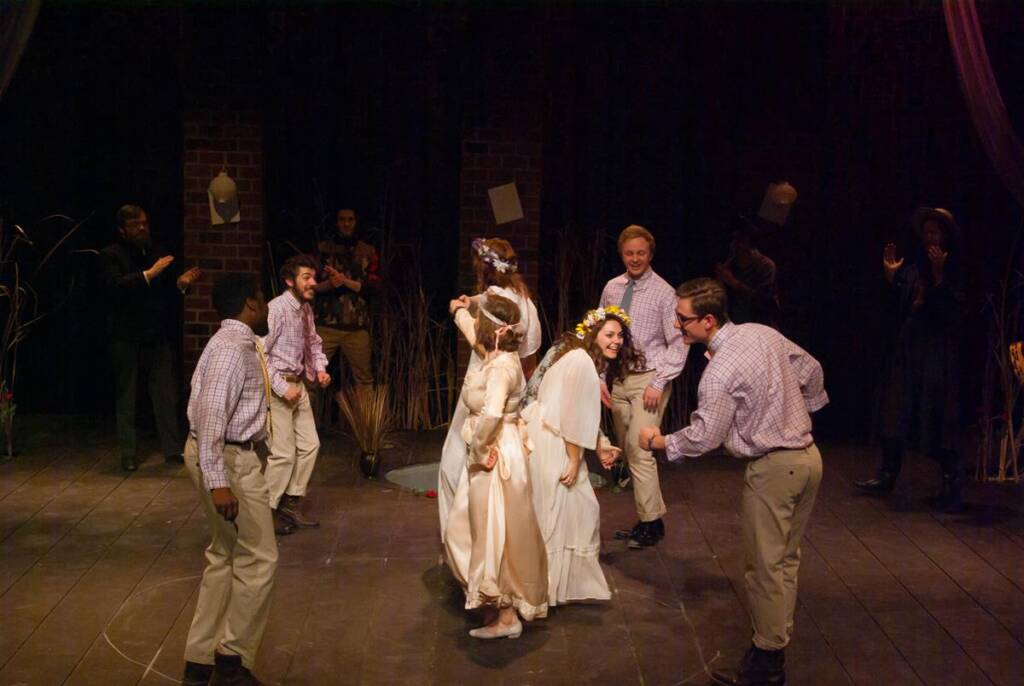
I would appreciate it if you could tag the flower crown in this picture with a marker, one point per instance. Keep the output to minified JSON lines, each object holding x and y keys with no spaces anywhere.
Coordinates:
{"x":595,"y":317}
{"x":492,"y":258}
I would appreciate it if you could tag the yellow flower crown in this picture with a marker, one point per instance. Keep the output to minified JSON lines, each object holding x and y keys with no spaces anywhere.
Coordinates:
{"x":595,"y":317}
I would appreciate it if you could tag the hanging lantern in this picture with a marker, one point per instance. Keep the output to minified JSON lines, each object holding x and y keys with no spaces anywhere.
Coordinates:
{"x":778,"y":200}
{"x":223,"y":195}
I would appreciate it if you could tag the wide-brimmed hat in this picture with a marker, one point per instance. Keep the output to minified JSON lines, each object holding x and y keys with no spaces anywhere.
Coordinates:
{"x":939,"y":214}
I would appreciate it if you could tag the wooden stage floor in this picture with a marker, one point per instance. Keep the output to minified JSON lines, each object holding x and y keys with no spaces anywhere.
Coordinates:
{"x":98,"y":574}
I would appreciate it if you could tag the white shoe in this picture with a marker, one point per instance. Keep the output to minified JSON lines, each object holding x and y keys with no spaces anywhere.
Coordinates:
{"x":498,"y":631}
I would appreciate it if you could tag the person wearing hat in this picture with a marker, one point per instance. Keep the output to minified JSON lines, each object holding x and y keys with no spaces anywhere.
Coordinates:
{"x":921,"y":385}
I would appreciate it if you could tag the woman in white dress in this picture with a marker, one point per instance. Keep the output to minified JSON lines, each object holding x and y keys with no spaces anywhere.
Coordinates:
{"x":564,"y":420}
{"x":492,"y":540}
{"x":494,"y":262}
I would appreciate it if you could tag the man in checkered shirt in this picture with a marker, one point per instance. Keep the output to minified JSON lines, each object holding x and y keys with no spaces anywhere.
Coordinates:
{"x":227,"y":414}
{"x":295,"y":357}
{"x":640,"y":399}
{"x":755,"y":397}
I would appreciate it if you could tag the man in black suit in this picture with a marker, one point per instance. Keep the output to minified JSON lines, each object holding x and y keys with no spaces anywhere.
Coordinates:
{"x":139,"y":287}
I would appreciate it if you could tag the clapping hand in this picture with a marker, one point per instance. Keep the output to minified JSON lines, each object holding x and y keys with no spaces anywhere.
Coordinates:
{"x":334,"y":276}
{"x":937,"y":256}
{"x":889,"y":262}
{"x":188,"y":278}
{"x":724,"y":274}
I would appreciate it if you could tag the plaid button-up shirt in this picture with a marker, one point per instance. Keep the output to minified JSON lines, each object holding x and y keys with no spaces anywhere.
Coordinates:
{"x":653,"y":315}
{"x":293,"y":346}
{"x":228,"y":401}
{"x":755,"y":396}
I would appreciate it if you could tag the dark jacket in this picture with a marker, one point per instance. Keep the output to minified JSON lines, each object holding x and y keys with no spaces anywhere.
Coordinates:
{"x":136,"y":310}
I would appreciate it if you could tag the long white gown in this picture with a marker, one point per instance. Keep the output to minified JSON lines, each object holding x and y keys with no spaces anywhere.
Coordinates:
{"x":568,"y":408}
{"x":453,"y":454}
{"x":492,"y":540}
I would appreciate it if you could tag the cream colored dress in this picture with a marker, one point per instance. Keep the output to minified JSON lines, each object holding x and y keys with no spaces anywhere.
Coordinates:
{"x":492,"y":540}
{"x":568,"y":408}
{"x":453,"y":454}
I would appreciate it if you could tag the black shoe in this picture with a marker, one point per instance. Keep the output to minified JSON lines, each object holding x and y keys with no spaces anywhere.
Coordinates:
{"x":626,"y":534}
{"x":282,"y":525}
{"x":229,"y":672}
{"x":196,"y":674}
{"x":128,"y":464}
{"x":758,"y":668}
{"x":883,"y":483}
{"x":658,"y":528}
{"x":948,"y":499}
{"x":646,"y":537}
{"x":175,"y":459}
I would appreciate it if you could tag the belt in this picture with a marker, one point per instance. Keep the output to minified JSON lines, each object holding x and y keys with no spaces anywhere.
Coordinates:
{"x":775,"y":450}
{"x":292,"y":378}
{"x":244,"y":445}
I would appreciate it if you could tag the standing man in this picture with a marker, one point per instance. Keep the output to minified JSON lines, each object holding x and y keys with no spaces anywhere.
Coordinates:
{"x":350,"y":278}
{"x":641,"y":398}
{"x":140,"y":289}
{"x":755,"y":397}
{"x":750,"y":278}
{"x":227,"y":413}
{"x":295,"y":357}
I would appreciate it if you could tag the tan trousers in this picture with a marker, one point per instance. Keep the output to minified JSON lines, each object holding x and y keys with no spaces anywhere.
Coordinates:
{"x":778,"y":496}
{"x":293,"y":447}
{"x":629,"y":416}
{"x":355,"y":346}
{"x":234,"y":595}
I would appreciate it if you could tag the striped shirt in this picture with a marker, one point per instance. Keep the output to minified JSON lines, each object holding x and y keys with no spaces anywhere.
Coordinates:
{"x":293,"y":346}
{"x":228,"y":401}
{"x":653,"y":311}
{"x":754,"y":397}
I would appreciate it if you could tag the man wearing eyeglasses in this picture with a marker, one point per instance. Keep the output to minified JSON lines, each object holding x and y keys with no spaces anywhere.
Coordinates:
{"x":755,"y":397}
{"x":141,"y":285}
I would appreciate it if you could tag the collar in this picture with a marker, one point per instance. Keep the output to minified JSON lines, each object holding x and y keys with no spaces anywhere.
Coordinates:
{"x":642,"y":281}
{"x":292,"y":301}
{"x":721,"y":337}
{"x":238,"y":327}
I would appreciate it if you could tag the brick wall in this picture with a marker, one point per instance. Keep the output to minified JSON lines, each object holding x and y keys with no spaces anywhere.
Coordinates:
{"x":215,"y":140}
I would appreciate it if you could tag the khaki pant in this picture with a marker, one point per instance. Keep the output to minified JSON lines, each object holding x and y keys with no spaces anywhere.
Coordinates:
{"x":234,"y":595}
{"x":293,"y":447}
{"x":629,"y":416}
{"x":778,"y":496}
{"x":355,"y":346}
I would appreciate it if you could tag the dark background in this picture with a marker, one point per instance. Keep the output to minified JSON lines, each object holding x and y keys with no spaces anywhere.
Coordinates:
{"x":672,"y":116}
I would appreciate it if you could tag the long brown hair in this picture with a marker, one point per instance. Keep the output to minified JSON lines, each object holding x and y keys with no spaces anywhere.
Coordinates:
{"x":629,"y":359}
{"x":488,"y":275}
{"x":486,"y":330}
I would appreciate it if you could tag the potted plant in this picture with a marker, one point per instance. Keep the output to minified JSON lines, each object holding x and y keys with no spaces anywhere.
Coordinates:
{"x":370,"y":419}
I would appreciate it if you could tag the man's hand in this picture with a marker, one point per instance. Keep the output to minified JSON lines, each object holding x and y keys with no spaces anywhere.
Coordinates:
{"x":890,"y":265}
{"x":606,"y":396}
{"x":292,"y":395}
{"x":608,"y":454}
{"x":652,"y":396}
{"x":188,"y":278}
{"x":225,"y":502}
{"x":335,"y":277}
{"x":937,"y":257}
{"x":158,"y":267}
{"x":647,"y":436}
{"x":324,"y":379}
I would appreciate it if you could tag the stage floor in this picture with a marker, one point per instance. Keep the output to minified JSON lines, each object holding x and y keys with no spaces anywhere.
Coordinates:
{"x":98,"y":574}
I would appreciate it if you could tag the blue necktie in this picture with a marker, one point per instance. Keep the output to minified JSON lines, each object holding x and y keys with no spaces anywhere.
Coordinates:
{"x":627,"y":297}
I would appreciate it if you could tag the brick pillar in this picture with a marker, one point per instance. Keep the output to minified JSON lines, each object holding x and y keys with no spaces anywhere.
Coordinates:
{"x":503,"y":145}
{"x":216,"y":140}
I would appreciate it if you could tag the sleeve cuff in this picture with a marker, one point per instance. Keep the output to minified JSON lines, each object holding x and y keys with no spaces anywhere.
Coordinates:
{"x":817,"y":402}
{"x":216,"y":479}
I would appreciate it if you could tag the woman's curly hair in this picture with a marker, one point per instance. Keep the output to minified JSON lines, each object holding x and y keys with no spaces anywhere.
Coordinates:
{"x":629,"y":359}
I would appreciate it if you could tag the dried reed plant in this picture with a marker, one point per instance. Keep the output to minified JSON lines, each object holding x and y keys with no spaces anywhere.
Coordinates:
{"x":369,"y":414}
{"x":999,"y":420}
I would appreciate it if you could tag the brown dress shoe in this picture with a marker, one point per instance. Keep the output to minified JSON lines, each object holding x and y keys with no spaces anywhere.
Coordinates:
{"x":282,"y":526}
{"x":289,"y":509}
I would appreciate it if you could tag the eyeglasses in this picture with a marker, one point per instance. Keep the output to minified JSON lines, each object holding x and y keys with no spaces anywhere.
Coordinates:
{"x":683,"y":321}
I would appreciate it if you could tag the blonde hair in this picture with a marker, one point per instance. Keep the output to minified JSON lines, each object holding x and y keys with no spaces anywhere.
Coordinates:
{"x":636,"y":231}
